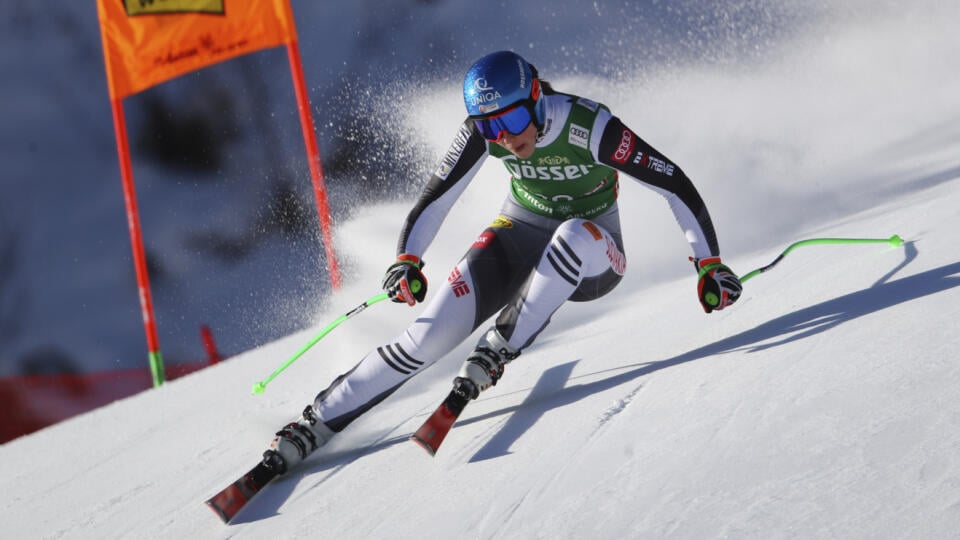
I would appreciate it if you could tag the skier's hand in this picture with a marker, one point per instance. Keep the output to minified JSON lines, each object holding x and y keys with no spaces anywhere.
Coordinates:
{"x":404,"y":281}
{"x":718,"y":286}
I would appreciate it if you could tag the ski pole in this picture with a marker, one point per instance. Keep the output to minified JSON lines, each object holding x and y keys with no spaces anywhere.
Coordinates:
{"x":259,"y":387}
{"x":894,"y":241}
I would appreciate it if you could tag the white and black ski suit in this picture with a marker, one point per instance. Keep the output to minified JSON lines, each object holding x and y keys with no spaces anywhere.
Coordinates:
{"x":557,"y":238}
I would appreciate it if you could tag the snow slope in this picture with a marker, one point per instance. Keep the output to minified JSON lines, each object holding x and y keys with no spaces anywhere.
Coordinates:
{"x":825,"y":404}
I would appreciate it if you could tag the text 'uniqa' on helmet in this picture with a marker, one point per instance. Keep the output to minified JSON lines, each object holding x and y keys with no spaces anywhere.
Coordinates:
{"x":496,"y":82}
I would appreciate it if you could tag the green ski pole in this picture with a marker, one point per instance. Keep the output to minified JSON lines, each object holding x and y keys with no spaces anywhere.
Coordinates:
{"x":894,"y":241}
{"x":259,"y":387}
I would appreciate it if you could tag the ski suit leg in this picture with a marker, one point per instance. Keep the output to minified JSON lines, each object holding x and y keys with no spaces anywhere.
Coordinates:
{"x":492,"y":271}
{"x":444,"y":323}
{"x":583,"y":261}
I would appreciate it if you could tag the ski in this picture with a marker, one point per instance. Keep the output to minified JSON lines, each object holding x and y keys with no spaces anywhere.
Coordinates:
{"x":234,"y":497}
{"x":435,"y":429}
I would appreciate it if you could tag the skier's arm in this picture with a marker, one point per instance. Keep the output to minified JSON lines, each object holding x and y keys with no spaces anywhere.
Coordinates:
{"x":458,"y":166}
{"x":619,"y":147}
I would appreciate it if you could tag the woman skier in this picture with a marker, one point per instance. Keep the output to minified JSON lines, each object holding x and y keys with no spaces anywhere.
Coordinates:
{"x":557,"y":238}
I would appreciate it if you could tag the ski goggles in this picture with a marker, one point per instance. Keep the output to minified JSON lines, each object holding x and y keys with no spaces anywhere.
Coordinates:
{"x":512,"y":121}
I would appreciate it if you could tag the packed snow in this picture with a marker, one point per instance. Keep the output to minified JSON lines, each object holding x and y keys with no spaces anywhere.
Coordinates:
{"x":824,"y":404}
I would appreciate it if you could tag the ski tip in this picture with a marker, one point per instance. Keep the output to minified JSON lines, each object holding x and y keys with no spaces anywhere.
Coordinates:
{"x":425,"y":445}
{"x":218,"y":511}
{"x":233,"y":498}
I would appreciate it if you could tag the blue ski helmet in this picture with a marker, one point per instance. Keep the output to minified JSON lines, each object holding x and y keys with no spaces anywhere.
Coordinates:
{"x":498,"y":81}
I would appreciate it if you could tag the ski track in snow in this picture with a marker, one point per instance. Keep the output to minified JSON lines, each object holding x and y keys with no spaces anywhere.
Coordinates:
{"x":616,"y":408}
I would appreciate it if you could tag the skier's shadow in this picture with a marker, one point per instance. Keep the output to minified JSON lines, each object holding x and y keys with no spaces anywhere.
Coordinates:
{"x":551,"y":392}
{"x":268,"y":503}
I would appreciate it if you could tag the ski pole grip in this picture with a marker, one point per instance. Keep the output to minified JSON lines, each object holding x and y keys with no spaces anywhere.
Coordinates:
{"x":707,"y":268}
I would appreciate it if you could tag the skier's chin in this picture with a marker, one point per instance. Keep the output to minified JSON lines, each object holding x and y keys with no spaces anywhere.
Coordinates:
{"x":522,"y":151}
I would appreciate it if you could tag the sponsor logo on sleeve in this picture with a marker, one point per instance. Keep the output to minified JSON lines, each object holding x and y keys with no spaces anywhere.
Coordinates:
{"x":452,"y":156}
{"x":625,"y":149}
{"x":656,"y":164}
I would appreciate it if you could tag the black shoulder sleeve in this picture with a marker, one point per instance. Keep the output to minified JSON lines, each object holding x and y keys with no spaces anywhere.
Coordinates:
{"x":623,"y":150}
{"x":454,"y":172}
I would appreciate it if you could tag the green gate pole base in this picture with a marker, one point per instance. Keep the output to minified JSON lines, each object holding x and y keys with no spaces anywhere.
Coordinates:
{"x":156,"y":369}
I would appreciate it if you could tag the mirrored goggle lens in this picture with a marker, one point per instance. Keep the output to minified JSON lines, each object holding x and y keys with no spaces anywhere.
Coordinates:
{"x":513,"y":121}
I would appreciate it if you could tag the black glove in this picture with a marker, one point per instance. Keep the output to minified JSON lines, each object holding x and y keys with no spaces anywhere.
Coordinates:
{"x":404,"y":281}
{"x":718,"y":286}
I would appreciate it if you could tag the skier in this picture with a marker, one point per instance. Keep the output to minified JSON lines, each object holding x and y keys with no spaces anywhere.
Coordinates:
{"x":557,"y":238}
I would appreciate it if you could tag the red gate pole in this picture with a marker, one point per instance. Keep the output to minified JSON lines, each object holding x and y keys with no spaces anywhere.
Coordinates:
{"x":313,"y":155}
{"x":136,"y":240}
{"x":213,"y":355}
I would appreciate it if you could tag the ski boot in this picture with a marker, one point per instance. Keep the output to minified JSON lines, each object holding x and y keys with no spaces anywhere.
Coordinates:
{"x":296,"y":441}
{"x":484,"y":367}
